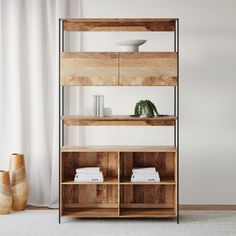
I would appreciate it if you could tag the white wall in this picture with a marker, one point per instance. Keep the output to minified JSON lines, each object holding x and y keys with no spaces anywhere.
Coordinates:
{"x":207,"y":91}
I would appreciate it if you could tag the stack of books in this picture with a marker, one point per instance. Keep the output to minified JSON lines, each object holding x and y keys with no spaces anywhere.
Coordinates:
{"x":148,"y":174}
{"x":89,"y":174}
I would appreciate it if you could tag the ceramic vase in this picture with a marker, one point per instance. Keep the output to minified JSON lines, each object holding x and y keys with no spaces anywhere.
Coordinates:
{"x":19,"y":185}
{"x":5,"y":193}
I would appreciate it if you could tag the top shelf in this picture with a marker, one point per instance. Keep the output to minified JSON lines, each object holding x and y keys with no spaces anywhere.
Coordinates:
{"x":116,"y":24}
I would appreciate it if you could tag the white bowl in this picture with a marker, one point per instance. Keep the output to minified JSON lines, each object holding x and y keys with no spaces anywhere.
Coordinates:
{"x":131,"y":45}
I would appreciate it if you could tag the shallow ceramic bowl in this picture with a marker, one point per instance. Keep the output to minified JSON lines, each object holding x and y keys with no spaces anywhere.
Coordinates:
{"x":131,"y":45}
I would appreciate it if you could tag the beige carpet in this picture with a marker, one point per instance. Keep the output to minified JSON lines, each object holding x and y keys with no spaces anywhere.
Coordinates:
{"x":45,"y":222}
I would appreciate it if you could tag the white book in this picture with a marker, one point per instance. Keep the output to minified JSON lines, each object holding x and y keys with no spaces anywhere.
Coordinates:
{"x":89,"y":180}
{"x":144,"y":170}
{"x":155,"y":179}
{"x":89,"y":175}
{"x":145,"y":175}
{"x":88,"y":170}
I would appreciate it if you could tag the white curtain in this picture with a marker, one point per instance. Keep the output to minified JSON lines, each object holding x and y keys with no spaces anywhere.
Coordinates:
{"x":29,"y":90}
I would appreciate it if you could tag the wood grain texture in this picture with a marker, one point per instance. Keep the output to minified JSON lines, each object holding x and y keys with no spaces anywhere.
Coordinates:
{"x":118,"y":148}
{"x":89,"y":68}
{"x":107,"y":161}
{"x":147,"y":213}
{"x":115,"y":24}
{"x":119,"y":121}
{"x":146,"y":194}
{"x":117,"y":196}
{"x":162,"y":161}
{"x":19,"y":183}
{"x":5,"y":193}
{"x":97,"y":196}
{"x":148,"y":69}
{"x":91,"y":212}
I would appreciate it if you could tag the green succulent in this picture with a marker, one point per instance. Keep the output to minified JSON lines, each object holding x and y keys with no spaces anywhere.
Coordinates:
{"x":145,"y":105}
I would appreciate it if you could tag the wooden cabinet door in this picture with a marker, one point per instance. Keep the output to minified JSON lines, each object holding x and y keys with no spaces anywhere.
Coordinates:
{"x":89,"y":68}
{"x":148,"y":68}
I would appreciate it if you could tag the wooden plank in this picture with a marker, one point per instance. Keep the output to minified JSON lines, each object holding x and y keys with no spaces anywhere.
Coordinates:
{"x":89,"y":68}
{"x":119,"y":121}
{"x":118,"y":148}
{"x":91,"y":205}
{"x":115,"y":24}
{"x":148,"y":69}
{"x":91,"y":212}
{"x":147,"y":213}
{"x":146,"y":205}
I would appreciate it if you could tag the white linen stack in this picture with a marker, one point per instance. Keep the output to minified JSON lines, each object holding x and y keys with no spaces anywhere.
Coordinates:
{"x":148,"y":174}
{"x":88,"y":174}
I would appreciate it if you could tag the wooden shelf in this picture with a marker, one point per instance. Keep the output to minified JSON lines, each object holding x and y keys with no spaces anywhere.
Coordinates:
{"x":124,"y":212}
{"x":118,"y":69}
{"x":114,"y":24}
{"x":107,"y":180}
{"x":118,"y":148}
{"x":164,"y":181}
{"x":90,"y":212}
{"x":119,"y":121}
{"x":147,"y":213}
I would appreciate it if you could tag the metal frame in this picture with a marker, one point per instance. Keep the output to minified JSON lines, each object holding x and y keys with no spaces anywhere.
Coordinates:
{"x":176,"y":110}
{"x":61,"y":110}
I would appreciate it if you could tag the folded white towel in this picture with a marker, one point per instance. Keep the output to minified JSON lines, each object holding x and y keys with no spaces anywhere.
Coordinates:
{"x":144,"y":170}
{"x":88,"y":170}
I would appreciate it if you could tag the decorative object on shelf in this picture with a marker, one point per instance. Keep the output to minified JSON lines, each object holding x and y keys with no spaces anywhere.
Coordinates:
{"x":98,"y":105}
{"x":5,"y":193}
{"x":131,"y":45}
{"x":18,"y":180}
{"x":145,"y":108}
{"x":88,"y":174}
{"x":146,"y":174}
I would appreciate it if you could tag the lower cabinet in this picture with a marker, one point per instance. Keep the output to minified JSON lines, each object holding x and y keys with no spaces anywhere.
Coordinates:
{"x":117,"y":196}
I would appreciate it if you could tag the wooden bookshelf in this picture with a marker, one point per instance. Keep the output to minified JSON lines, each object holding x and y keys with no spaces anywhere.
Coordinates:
{"x":117,"y":196}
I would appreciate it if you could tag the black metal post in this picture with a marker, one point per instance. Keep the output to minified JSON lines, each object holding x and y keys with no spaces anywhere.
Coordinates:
{"x":59,"y":118}
{"x":61,"y":109}
{"x":177,"y":139}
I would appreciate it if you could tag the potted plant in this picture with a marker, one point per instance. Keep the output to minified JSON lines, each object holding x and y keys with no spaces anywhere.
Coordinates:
{"x":145,"y":108}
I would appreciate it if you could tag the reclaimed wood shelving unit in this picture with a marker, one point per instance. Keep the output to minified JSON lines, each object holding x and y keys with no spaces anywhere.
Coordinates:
{"x":117,"y":196}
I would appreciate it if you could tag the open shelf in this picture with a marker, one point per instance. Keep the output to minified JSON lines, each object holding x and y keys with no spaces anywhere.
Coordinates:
{"x":91,"y":212}
{"x":147,"y":212}
{"x":115,"y":24}
{"x":107,"y":180}
{"x":119,"y":121}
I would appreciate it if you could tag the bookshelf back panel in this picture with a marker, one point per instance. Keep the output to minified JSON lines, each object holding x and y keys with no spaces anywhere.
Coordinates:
{"x":74,"y":195}
{"x":147,"y":194}
{"x":107,"y":161}
{"x":163,"y":161}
